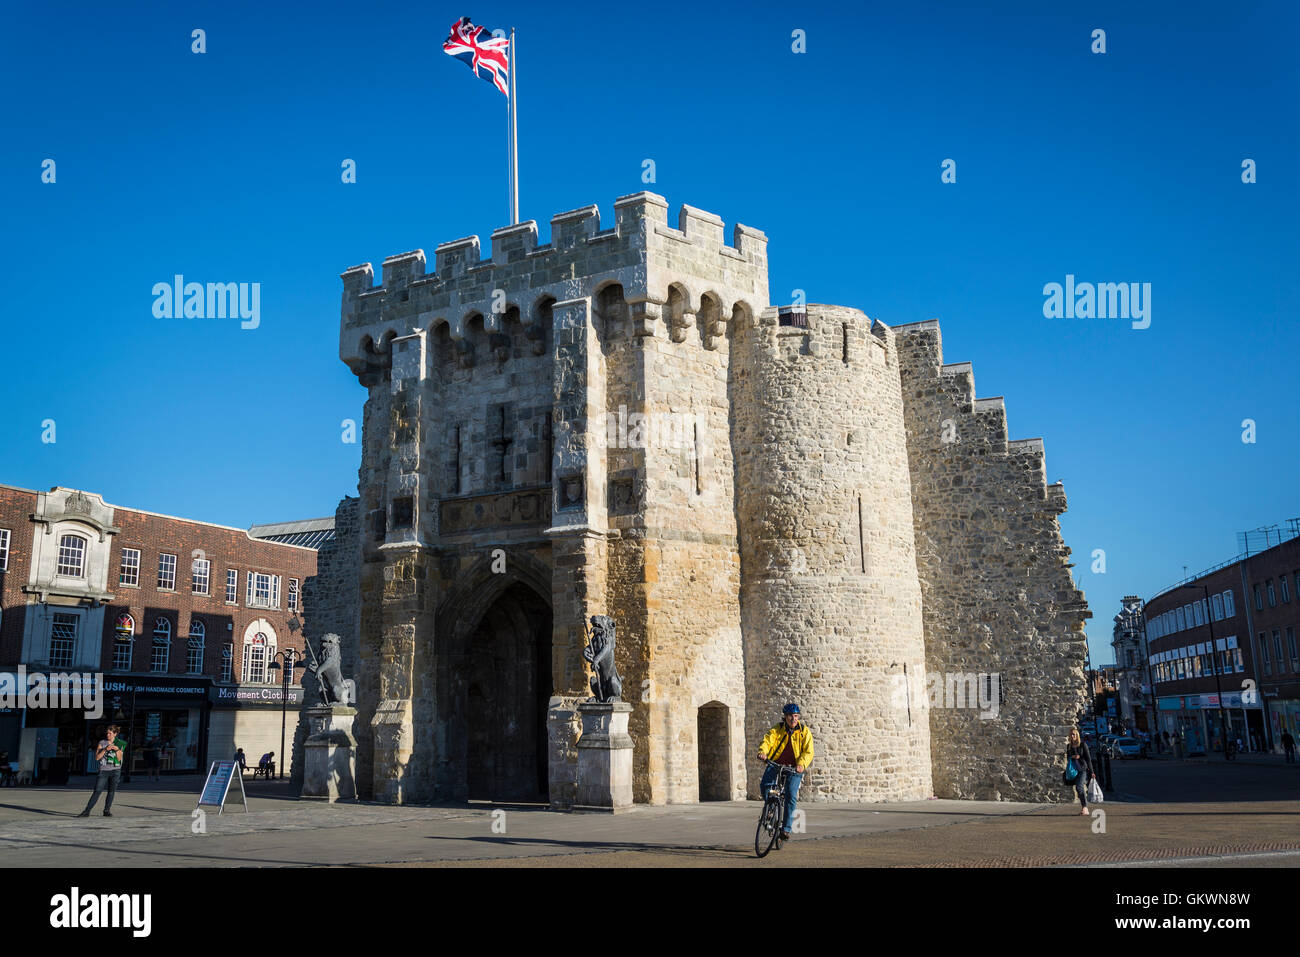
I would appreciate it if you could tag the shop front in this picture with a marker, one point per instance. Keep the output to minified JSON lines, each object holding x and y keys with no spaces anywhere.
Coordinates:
{"x":1196,"y":721}
{"x":163,"y":713}
{"x":1284,"y":716}
{"x":255,"y":718}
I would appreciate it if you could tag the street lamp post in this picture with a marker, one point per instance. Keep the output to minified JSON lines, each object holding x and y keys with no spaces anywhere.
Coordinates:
{"x":290,"y":656}
{"x":1215,"y":664}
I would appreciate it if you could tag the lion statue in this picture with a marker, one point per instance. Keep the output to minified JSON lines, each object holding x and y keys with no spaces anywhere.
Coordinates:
{"x":334,"y":688}
{"x":599,"y":653}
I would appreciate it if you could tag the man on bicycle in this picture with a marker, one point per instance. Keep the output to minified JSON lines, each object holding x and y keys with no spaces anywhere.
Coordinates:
{"x":788,"y":743}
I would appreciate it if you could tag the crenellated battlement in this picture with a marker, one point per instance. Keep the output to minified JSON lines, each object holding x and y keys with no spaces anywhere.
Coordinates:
{"x":639,"y":251}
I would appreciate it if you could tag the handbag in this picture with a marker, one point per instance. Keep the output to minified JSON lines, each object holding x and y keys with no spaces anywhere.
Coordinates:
{"x":1070,"y":773}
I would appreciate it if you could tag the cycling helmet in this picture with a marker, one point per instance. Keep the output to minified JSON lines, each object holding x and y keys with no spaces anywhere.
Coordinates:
{"x":791,"y":708}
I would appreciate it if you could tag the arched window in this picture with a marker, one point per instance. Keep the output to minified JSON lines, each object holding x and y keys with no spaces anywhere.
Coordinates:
{"x":72,"y":556}
{"x":259,"y":652}
{"x":255,"y":654}
{"x":162,"y":645}
{"x":194,"y":651}
{"x":123,"y":640}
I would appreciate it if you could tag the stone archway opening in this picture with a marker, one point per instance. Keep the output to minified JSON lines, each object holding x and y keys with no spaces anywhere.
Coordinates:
{"x":506,"y":679}
{"x":713,"y":744}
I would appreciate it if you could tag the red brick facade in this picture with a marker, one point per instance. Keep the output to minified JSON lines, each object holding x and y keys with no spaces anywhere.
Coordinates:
{"x":153,"y":535}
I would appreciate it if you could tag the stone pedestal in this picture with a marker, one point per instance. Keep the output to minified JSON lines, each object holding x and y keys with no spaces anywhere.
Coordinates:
{"x":329,"y":769}
{"x":604,"y":757}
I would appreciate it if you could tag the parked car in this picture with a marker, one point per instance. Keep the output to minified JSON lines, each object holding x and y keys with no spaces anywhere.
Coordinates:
{"x":1128,"y":748}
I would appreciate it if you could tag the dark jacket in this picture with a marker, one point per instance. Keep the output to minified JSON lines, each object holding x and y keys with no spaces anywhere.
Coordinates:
{"x":1082,"y":758}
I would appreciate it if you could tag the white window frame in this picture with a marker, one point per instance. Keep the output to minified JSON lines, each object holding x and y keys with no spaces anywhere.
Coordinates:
{"x":227,"y":662}
{"x":4,"y":549}
{"x":163,"y":565}
{"x":232,"y":586}
{"x":200,"y":575}
{"x":165,"y":644}
{"x":80,"y":553}
{"x":124,"y":566}
{"x":1229,"y":608}
{"x":118,"y":645}
{"x":268,"y":655}
{"x":194,"y":646}
{"x":69,"y":621}
{"x":293,"y":594}
{"x":262,"y":590}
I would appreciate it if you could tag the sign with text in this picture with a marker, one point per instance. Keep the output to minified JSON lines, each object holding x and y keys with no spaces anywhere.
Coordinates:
{"x":273,"y":696}
{"x":217,"y":785}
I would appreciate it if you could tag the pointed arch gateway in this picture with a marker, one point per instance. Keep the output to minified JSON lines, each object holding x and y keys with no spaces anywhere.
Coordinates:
{"x":494,"y":685}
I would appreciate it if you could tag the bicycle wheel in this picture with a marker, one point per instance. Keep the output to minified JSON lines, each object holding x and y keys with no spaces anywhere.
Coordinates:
{"x":765,"y":835}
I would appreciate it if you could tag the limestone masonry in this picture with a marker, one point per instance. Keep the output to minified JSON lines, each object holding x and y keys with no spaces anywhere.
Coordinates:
{"x":773,"y":504}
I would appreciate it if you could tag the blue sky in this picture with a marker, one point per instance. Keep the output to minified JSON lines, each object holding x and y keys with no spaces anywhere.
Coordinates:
{"x":225,"y":167}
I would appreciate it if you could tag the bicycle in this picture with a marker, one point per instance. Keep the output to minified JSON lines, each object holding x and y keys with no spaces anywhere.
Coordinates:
{"x":771,"y":820}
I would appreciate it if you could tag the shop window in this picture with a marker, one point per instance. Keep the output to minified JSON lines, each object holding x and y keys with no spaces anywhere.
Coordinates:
{"x":160,"y":653}
{"x":194,"y":647}
{"x":72,"y":556}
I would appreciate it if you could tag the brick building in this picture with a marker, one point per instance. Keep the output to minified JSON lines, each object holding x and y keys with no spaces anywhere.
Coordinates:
{"x":182,"y":618}
{"x":1189,"y":677}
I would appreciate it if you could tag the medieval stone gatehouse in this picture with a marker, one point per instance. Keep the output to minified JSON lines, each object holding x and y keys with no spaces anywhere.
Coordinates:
{"x":775,"y":504}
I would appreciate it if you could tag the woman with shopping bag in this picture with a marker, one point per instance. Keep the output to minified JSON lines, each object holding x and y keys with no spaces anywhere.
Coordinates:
{"x":1078,"y":767}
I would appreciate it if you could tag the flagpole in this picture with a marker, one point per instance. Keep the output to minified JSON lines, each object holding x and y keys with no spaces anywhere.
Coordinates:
{"x":514,"y":157}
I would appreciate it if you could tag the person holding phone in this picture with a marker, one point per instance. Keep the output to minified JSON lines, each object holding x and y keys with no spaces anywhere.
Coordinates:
{"x":108,"y":753}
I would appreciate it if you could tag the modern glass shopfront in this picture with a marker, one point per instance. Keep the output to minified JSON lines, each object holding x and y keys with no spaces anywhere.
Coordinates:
{"x":1195,"y":721}
{"x":169,"y":715}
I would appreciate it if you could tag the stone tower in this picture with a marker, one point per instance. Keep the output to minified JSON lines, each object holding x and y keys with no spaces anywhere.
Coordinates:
{"x":618,"y":423}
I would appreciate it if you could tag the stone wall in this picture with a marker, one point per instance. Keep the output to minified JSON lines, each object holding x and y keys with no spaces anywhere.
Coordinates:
{"x":998,"y":595}
{"x":831,"y":607}
{"x":331,"y":604}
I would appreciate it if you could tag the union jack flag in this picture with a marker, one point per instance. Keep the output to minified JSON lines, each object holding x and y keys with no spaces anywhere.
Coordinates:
{"x":478,"y":49}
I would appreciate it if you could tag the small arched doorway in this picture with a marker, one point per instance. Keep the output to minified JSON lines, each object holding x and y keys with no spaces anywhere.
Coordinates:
{"x":713,"y":744}
{"x":506,"y":675}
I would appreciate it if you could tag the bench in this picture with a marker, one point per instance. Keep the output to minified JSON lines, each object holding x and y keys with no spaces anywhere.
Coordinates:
{"x":264,"y":770}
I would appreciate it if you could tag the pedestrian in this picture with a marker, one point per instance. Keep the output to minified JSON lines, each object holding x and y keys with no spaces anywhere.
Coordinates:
{"x":150,"y":750}
{"x":1076,"y":750}
{"x":241,"y":760}
{"x":1288,"y":746}
{"x":109,"y":755}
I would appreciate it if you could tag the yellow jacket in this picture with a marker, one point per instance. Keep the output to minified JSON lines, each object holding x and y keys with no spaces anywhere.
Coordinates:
{"x":801,"y":740}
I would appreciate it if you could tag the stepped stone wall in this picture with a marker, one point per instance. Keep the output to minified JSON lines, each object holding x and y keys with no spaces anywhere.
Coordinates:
{"x":996,"y":587}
